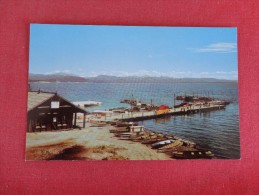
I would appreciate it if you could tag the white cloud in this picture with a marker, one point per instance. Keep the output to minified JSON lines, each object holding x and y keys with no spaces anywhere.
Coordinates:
{"x":59,"y":71}
{"x":66,"y":71}
{"x":218,"y":48}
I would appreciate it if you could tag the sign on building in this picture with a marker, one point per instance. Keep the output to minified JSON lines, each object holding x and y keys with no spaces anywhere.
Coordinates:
{"x":54,"y":104}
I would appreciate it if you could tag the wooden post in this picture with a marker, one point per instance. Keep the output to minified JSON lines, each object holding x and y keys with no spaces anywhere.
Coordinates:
{"x":75,"y":119}
{"x":84,"y":121}
{"x":29,"y":128}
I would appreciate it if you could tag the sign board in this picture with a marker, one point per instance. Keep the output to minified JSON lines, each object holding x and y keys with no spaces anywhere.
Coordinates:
{"x":55,"y":104}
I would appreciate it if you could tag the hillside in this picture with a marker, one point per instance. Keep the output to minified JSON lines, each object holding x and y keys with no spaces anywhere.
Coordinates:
{"x":55,"y":78}
{"x":115,"y":79}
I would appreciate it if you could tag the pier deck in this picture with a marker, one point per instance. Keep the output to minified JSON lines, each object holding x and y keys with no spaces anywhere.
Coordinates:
{"x":146,"y":115}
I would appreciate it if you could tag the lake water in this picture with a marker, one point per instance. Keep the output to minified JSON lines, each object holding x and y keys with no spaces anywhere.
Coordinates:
{"x":217,"y":131}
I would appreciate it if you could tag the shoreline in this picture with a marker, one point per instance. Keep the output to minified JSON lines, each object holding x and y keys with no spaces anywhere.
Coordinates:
{"x":89,"y":143}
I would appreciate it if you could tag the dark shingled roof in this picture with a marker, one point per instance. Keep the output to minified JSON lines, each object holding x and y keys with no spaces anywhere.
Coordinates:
{"x":36,"y":98}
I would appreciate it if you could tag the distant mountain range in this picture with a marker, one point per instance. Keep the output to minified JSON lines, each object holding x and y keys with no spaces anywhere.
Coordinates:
{"x":60,"y":77}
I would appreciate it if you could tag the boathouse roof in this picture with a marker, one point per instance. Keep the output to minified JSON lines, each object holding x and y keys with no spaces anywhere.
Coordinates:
{"x":36,"y":98}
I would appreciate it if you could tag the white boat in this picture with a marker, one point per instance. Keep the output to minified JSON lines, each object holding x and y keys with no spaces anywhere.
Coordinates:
{"x":171,"y":145}
{"x":128,"y":134}
{"x":162,"y":143}
{"x":185,"y":141}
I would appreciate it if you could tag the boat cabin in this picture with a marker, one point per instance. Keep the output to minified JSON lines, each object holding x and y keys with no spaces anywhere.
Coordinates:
{"x":137,"y":129}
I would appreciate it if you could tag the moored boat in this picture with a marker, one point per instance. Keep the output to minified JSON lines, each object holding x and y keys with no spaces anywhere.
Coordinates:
{"x":186,"y":142}
{"x":128,"y":134}
{"x":192,"y":155}
{"x":163,"y":109}
{"x":133,"y":137}
{"x":170,"y":146}
{"x":162,"y":143}
{"x":121,"y":130}
{"x":152,"y":140}
{"x":136,"y":128}
{"x":220,"y":102}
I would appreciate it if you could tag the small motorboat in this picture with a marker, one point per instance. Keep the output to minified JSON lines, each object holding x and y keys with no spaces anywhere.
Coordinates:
{"x":139,"y":138}
{"x":133,"y":137}
{"x":220,"y":102}
{"x":193,"y":155}
{"x":128,"y":134}
{"x":152,"y":140}
{"x":161,"y":143}
{"x":170,"y":146}
{"x":156,"y":138}
{"x":119,"y":130}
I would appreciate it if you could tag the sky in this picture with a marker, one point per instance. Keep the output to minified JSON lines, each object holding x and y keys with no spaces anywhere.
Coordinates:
{"x":86,"y":50}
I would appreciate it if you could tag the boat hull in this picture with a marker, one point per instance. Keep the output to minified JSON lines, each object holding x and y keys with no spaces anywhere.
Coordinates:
{"x":192,"y":155}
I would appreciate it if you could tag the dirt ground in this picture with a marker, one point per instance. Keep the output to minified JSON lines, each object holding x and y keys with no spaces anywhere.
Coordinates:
{"x":90,"y":143}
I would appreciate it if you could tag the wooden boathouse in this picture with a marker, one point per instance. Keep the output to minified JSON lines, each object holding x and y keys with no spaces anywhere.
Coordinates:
{"x":49,"y":111}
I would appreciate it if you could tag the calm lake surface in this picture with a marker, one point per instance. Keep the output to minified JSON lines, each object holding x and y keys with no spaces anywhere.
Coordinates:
{"x":217,"y":131}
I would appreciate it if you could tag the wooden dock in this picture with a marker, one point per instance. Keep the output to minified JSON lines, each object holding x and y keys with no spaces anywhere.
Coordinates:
{"x":147,"y":115}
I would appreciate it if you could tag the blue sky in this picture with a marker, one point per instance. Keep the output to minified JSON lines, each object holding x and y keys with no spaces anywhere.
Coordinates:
{"x":87,"y":50}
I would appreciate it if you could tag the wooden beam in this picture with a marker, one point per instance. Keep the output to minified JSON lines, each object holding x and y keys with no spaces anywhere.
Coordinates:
{"x":41,"y":107}
{"x":84,"y":121}
{"x":65,"y":106}
{"x":75,"y":119}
